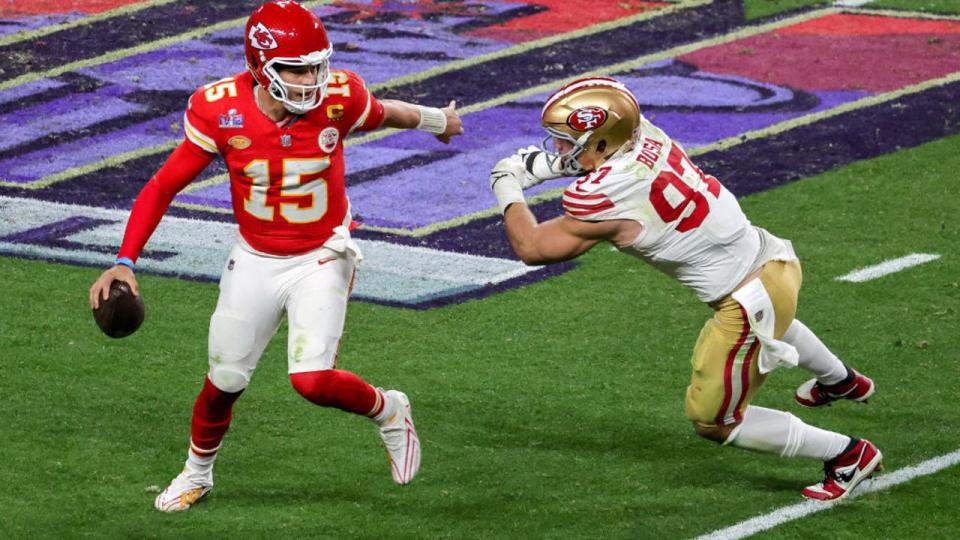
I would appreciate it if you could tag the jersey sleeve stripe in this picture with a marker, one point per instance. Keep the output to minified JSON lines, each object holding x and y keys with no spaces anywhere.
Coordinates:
{"x":363,"y":117}
{"x":586,"y":206}
{"x":573,"y":195}
{"x":198,"y":138}
{"x":587,"y":211}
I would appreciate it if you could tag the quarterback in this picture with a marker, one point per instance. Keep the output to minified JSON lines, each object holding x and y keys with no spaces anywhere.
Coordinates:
{"x":637,"y":189}
{"x":279,"y":126}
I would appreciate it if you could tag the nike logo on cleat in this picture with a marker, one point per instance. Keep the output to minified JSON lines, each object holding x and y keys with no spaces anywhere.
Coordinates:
{"x":845,"y":477}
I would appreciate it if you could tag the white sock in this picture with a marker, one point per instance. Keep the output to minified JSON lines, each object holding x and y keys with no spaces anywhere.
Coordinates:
{"x":198,"y":463}
{"x":778,"y":432}
{"x":815,"y":357}
{"x":389,"y":409}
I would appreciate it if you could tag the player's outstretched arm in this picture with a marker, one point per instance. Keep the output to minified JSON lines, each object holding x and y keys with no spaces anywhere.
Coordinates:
{"x":444,"y":123}
{"x":560,"y":239}
{"x":557,"y":240}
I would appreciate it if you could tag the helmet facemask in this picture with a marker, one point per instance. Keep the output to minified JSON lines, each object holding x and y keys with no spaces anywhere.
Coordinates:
{"x":569,"y":166}
{"x":310,"y":95}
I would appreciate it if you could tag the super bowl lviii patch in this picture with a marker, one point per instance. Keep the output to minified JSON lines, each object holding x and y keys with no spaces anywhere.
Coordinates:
{"x":231,"y":119}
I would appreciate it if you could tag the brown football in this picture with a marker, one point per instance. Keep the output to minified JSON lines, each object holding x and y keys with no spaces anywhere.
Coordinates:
{"x":122,"y":313}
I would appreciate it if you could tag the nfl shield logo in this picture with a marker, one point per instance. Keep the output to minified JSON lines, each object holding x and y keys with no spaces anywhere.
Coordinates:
{"x":286,"y":140}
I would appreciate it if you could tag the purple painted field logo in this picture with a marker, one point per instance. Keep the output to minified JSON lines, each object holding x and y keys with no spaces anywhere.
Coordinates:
{"x":587,"y":118}
{"x":261,"y":38}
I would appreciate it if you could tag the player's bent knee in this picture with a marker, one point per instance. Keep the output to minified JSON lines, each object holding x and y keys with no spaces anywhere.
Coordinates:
{"x":717,"y":434}
{"x":316,"y":386}
{"x":228,"y":379}
{"x":231,"y":345}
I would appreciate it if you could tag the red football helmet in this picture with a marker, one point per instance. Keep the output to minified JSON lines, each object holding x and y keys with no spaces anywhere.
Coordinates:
{"x":284,"y":33}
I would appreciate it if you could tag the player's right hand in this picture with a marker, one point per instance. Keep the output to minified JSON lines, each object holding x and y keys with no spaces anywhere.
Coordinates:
{"x":506,"y":181}
{"x":454,"y":124}
{"x":509,"y":169}
{"x":100,"y":290}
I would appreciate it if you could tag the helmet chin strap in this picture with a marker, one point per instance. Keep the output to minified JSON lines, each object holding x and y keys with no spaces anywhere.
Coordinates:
{"x":572,"y":167}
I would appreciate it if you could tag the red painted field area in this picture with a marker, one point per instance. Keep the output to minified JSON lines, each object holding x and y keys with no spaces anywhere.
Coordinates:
{"x":53,"y":7}
{"x":563,"y":16}
{"x":841,"y":52}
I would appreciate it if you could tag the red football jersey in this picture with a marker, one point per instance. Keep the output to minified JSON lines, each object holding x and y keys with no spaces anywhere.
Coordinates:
{"x":286,"y":182}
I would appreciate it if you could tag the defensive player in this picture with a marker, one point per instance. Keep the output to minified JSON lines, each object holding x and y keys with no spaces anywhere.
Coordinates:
{"x":637,"y":189}
{"x":279,"y":127}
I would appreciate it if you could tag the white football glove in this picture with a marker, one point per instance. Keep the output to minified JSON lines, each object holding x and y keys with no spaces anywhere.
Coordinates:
{"x":506,"y":181}
{"x":539,"y":166}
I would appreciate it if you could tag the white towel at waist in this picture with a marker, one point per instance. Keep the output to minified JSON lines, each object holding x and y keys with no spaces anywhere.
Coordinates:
{"x":761,"y":316}
{"x":342,"y":242}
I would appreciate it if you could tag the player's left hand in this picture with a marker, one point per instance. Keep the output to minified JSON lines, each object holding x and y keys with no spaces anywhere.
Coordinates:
{"x":454,"y":125}
{"x":540,"y":165}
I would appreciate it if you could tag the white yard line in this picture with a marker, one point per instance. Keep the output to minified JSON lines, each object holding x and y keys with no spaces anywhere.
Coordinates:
{"x":797,"y":511}
{"x":852,"y":3}
{"x":888,"y":267}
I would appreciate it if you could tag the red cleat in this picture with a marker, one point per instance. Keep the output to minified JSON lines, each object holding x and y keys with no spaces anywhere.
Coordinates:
{"x":814,"y":393}
{"x":846,"y":471}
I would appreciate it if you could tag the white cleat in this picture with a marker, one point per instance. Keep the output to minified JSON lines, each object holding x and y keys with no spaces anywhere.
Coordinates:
{"x":400,"y":438}
{"x":186,"y":490}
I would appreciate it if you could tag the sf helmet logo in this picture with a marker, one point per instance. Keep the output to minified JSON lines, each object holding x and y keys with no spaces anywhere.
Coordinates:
{"x":587,"y":118}
{"x":261,"y":38}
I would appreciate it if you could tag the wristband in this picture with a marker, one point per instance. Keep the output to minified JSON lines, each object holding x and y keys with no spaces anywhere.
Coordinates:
{"x":508,"y":191}
{"x":125,"y":261}
{"x":432,"y":120}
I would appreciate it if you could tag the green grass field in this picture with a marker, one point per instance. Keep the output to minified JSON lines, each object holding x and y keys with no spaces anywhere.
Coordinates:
{"x":552,"y":411}
{"x":762,"y":8}
{"x":754,"y":9}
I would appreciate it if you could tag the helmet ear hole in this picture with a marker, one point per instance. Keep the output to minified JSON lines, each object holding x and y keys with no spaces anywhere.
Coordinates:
{"x":602,"y":145}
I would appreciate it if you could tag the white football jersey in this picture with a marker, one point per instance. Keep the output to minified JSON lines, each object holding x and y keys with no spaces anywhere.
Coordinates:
{"x":693,"y":227}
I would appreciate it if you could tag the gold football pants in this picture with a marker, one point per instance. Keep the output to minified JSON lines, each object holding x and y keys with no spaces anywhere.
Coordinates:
{"x":725,"y":375}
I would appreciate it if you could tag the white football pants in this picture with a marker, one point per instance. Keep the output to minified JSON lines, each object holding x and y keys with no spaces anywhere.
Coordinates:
{"x":255,"y":291}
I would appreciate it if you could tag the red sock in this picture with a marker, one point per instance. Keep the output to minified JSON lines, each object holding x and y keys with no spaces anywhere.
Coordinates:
{"x":212,"y":413}
{"x":340,"y":389}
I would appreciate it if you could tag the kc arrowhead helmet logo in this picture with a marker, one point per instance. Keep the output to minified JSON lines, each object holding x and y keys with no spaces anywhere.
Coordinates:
{"x":261,"y":38}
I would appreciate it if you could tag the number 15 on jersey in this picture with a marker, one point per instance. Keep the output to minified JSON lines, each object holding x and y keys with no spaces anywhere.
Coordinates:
{"x":299,"y":202}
